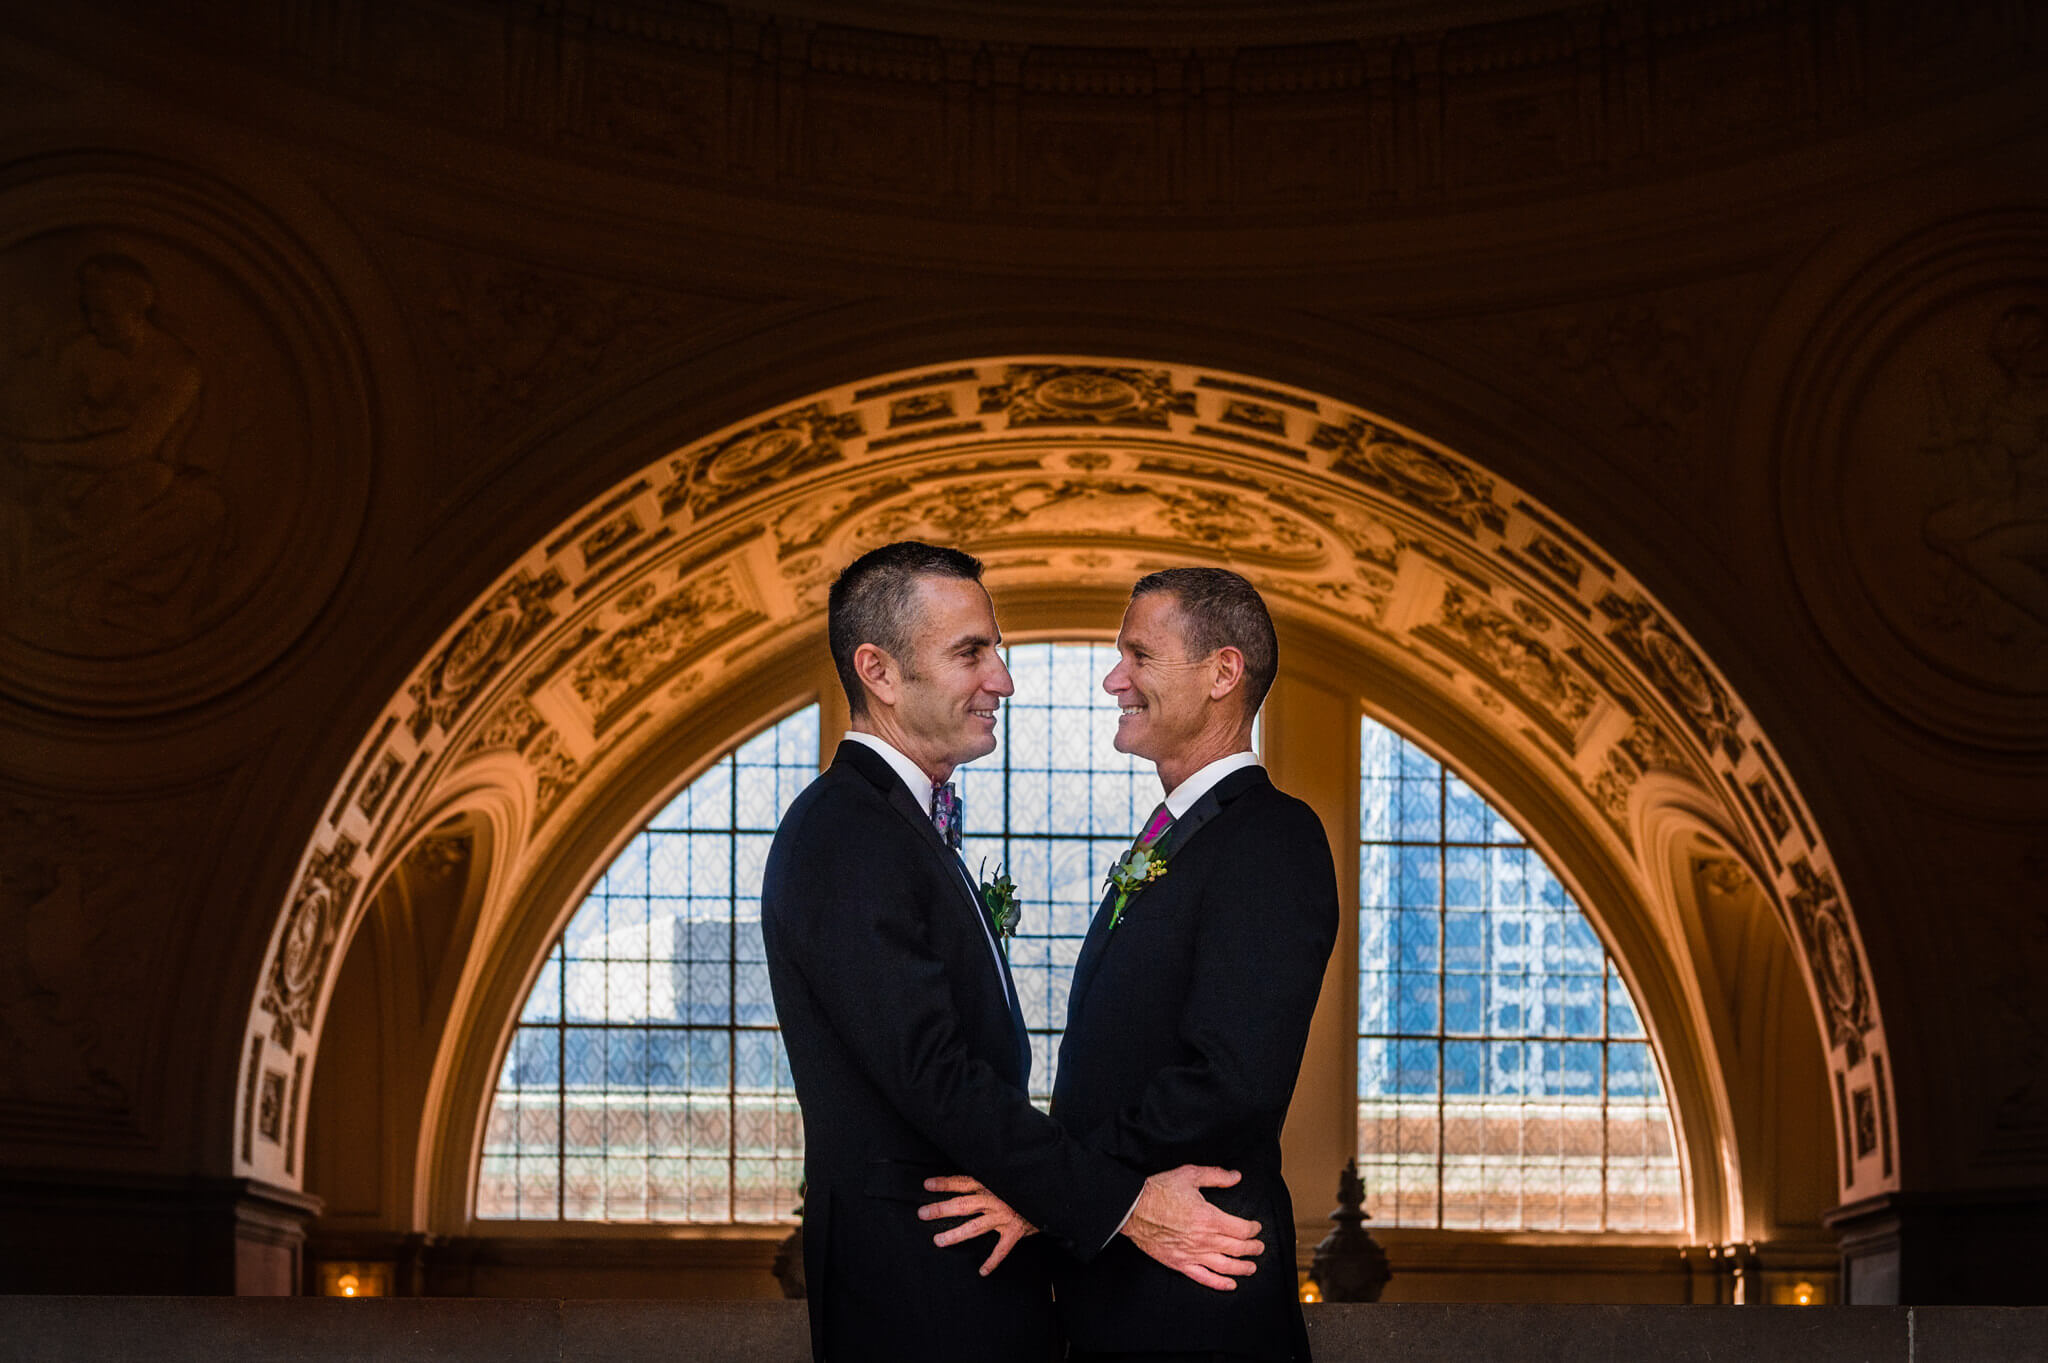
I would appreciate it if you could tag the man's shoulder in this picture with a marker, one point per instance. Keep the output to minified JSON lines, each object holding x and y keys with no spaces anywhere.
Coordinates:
{"x":1263,"y":800}
{"x":1264,"y":813}
{"x":840,"y":790}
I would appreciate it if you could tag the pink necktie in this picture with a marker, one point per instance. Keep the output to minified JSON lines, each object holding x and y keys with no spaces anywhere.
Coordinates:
{"x":1155,"y":826}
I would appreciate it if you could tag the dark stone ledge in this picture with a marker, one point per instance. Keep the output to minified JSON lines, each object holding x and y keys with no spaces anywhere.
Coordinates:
{"x":316,"y":1330}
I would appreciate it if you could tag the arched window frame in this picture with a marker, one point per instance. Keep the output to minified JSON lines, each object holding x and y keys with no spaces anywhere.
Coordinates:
{"x":1324,"y":773}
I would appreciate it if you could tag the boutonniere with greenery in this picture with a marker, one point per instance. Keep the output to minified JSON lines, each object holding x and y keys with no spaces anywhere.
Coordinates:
{"x":999,"y":898}
{"x":1139,"y":867}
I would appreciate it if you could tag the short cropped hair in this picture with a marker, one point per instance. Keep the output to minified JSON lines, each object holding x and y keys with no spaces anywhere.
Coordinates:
{"x":874,"y":601}
{"x":1218,"y":608}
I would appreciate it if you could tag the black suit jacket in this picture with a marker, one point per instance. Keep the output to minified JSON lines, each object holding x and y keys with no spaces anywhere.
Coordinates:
{"x":1185,"y":1030}
{"x":911,"y":1059}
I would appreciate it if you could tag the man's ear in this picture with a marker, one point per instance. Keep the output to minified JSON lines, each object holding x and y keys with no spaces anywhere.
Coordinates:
{"x":1229,"y":673}
{"x":878,"y":672}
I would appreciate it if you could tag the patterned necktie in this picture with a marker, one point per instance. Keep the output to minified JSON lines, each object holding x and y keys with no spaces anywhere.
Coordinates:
{"x":1156,"y":826}
{"x":946,"y":813}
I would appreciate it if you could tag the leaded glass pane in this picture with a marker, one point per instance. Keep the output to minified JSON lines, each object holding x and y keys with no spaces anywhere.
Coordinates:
{"x":1055,"y":804}
{"x":646,"y":1080}
{"x":1505,"y":1080}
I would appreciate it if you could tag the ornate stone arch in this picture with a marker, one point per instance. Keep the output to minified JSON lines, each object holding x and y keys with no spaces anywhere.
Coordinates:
{"x":695,"y":577}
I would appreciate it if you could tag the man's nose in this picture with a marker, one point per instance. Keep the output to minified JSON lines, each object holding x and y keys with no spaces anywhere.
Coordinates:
{"x":1115,"y":681}
{"x":1004,"y":686}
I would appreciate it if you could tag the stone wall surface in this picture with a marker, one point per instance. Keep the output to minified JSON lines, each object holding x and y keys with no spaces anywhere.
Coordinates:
{"x":357,"y":355}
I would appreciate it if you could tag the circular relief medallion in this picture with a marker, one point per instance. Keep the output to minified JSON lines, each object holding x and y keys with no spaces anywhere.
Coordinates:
{"x":1416,"y":471}
{"x":1953,"y":434}
{"x":476,"y":651}
{"x":305,"y":935}
{"x":1922,"y":490}
{"x":1087,"y":394}
{"x":746,"y":460}
{"x":174,"y":506}
{"x":1675,"y":661}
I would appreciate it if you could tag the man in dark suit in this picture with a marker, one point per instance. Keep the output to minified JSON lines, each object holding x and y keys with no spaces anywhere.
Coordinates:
{"x":1193,"y":993}
{"x":904,"y":1035}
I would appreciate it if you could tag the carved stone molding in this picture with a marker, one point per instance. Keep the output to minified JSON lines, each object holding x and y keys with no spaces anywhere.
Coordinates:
{"x":183,"y":433}
{"x":312,"y":928}
{"x":1917,"y":509}
{"x":1339,"y":110}
{"x":1057,"y":471}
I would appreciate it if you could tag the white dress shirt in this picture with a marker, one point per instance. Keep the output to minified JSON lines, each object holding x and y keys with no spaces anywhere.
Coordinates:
{"x":1182,"y":797}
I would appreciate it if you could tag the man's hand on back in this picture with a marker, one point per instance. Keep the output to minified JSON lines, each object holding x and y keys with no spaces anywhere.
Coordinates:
{"x":985,"y":1212}
{"x":1191,"y":1235}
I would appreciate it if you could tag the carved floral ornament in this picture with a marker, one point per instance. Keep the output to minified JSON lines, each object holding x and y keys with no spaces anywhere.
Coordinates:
{"x":1056,"y":472}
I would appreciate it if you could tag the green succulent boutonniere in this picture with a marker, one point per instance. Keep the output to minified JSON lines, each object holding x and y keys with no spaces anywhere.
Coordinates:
{"x":999,"y":898}
{"x":1140,"y":867}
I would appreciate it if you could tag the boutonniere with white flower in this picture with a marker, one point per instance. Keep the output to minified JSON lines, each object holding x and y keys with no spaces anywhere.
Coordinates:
{"x":999,"y":898}
{"x":1138,"y":868}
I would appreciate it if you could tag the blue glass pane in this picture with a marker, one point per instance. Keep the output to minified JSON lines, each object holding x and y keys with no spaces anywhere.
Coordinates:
{"x":1464,"y":1068}
{"x":1415,"y":1067}
{"x":1497,"y":1041}
{"x":1417,"y":995}
{"x":1417,"y":878}
{"x":1464,"y":1005}
{"x":1622,"y":1020}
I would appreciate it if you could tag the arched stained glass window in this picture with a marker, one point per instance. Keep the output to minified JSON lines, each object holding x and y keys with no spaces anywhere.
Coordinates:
{"x":1505,"y":1080}
{"x":646,"y":1079}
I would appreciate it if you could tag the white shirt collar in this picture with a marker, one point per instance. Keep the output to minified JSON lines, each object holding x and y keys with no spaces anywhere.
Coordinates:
{"x":913,"y":776}
{"x":1202,"y":782}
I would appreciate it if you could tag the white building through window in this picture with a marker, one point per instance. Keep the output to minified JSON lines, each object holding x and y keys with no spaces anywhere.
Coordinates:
{"x":1505,"y":1080}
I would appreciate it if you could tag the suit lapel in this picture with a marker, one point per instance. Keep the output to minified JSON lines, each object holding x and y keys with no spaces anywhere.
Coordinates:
{"x":1097,"y":942}
{"x":871,"y":765}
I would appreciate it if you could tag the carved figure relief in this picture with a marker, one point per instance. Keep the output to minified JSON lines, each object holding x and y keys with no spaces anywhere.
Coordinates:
{"x":270,"y":1107}
{"x":149,"y":426}
{"x":312,"y":928}
{"x":1864,"y":1103}
{"x":379,"y":784}
{"x":88,"y":965}
{"x":182,"y":466}
{"x":121,"y":525}
{"x":1987,"y":460}
{"x":1919,"y":521}
{"x":78,"y":921}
